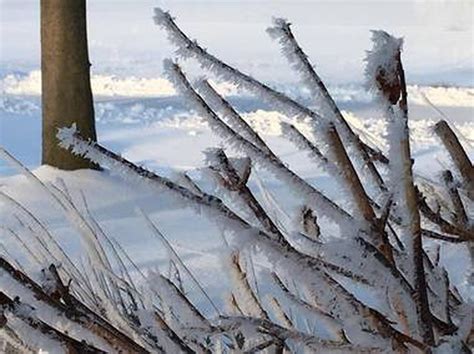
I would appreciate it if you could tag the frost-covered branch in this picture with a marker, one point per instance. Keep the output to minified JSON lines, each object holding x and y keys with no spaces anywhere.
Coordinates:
{"x":314,"y":197}
{"x":70,"y":138}
{"x":72,"y":309}
{"x":328,"y":108}
{"x":463,"y":232}
{"x":233,"y":118}
{"x":254,"y":326}
{"x":188,"y":48}
{"x":342,"y":160}
{"x":334,"y":326}
{"x":458,"y":155}
{"x":245,"y":296}
{"x":234,"y":182}
{"x":460,"y":216}
{"x":13,"y":309}
{"x":175,"y":257}
{"x":49,"y":251}
{"x":86,"y":230}
{"x":386,"y":77}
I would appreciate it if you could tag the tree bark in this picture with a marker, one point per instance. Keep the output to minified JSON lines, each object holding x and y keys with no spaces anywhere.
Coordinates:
{"x":66,"y":89}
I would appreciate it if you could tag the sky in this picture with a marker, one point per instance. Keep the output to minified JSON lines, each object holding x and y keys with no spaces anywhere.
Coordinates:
{"x":124,"y":41}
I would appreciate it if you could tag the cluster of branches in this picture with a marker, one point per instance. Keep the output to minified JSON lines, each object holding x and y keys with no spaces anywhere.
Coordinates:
{"x":313,"y":295}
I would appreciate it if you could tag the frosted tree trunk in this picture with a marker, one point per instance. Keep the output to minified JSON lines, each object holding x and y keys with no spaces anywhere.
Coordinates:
{"x":66,"y":89}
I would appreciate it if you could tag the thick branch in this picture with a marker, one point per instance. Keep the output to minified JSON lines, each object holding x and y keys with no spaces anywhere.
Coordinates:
{"x":458,"y":155}
{"x":414,"y":223}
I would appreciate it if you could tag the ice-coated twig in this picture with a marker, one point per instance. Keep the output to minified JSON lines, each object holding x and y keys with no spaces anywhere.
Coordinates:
{"x":342,"y":160}
{"x":314,"y":197}
{"x":458,"y":155}
{"x":231,"y":180}
{"x":244,"y":295}
{"x":386,"y":77}
{"x":188,"y":48}
{"x":25,"y":246}
{"x":233,"y":118}
{"x":281,"y":31}
{"x":71,"y":212}
{"x":464,"y":233}
{"x":233,"y":324}
{"x":279,"y":312}
{"x":24,"y":312}
{"x":301,"y":142}
{"x":49,"y":245}
{"x":185,"y":313}
{"x":326,"y":318}
{"x":70,"y":138}
{"x":72,"y":309}
{"x":176,"y":258}
{"x":460,"y":216}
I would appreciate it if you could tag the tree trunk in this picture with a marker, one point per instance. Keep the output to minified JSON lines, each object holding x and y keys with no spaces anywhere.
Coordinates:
{"x":66,"y":89}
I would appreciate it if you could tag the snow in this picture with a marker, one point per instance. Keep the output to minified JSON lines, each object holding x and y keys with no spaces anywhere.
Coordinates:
{"x":102,"y":85}
{"x":140,"y":116}
{"x":26,"y":86}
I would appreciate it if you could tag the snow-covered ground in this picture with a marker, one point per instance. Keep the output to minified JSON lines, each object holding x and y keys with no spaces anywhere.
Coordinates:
{"x":139,"y":115}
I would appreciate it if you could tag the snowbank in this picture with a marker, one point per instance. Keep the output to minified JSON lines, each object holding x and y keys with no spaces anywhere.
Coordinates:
{"x":131,"y":86}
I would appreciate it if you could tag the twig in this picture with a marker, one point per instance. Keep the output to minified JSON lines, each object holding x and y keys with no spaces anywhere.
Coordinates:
{"x":458,"y":155}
